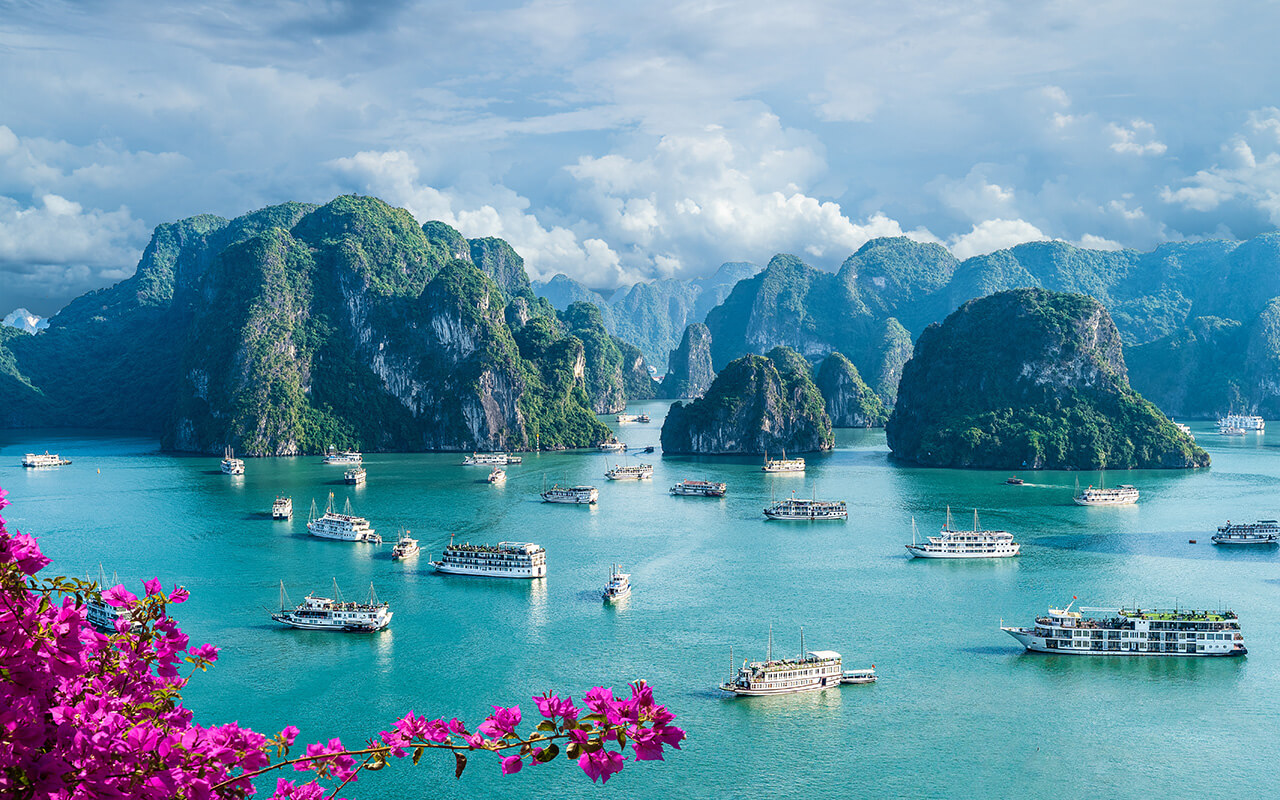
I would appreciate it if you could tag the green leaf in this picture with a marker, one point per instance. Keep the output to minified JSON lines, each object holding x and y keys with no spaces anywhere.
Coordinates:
{"x":417,"y":754}
{"x":546,"y":725}
{"x":460,"y":763}
{"x":573,"y":750}
{"x":549,"y":753}
{"x":594,"y":718}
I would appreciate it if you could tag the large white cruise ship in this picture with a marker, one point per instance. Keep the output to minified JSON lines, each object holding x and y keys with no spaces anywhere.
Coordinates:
{"x":630,"y":472}
{"x":334,"y":614}
{"x":1243,"y":422}
{"x":783,"y":464}
{"x":345,"y":527}
{"x":230,"y":464}
{"x":1133,"y":632}
{"x":573,"y":495}
{"x":1264,"y":531}
{"x":1122,"y":495}
{"x":797,"y":508}
{"x":45,"y":459}
{"x":691,"y":488}
{"x":810,"y":671}
{"x":952,"y":543}
{"x":490,"y":460}
{"x":343,"y":457}
{"x":501,"y":560}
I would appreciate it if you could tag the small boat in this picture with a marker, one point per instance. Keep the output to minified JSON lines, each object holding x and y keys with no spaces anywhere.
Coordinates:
{"x":612,"y":446}
{"x":406,"y":546}
{"x":1015,"y":481}
{"x":498,"y":475}
{"x":688,"y":488}
{"x":282,"y":508}
{"x":101,"y":615}
{"x":643,"y":418}
{"x":333,"y":456}
{"x":859,"y":675}
{"x":619,"y":585}
{"x":230,"y":464}
{"x":580,"y":495}
{"x":334,"y":614}
{"x":355,"y":477}
{"x":648,"y":449}
{"x":44,"y":459}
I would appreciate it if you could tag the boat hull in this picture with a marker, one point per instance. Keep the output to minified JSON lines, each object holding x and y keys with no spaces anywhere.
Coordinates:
{"x":1037,"y":644}
{"x":805,"y":518}
{"x":1251,"y":540}
{"x":573,"y":501}
{"x":614,"y":598}
{"x":831,"y":682}
{"x":529,"y":573}
{"x":917,"y":551}
{"x":337,"y":627}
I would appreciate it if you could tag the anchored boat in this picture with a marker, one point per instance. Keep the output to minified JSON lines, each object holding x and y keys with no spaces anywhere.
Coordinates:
{"x":688,"y":488}
{"x":354,"y":477}
{"x":501,"y":560}
{"x":1133,"y":632}
{"x":783,"y":464}
{"x":230,"y":464}
{"x":345,"y":527}
{"x":1264,"y":531}
{"x":334,"y":614}
{"x":579,"y":495}
{"x":810,"y":671}
{"x":334,"y":456}
{"x":797,"y":508}
{"x":951,"y":543}
{"x":619,"y":585}
{"x":45,"y":459}
{"x":282,"y":508}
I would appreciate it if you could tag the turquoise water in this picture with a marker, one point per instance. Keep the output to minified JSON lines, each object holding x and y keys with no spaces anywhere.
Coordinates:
{"x":959,"y":711}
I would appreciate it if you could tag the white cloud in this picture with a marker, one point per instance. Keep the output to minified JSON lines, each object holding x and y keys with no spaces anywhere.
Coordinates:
{"x":24,"y":320}
{"x":992,"y":235}
{"x":1091,"y":242}
{"x":1248,"y":171}
{"x":1138,"y":139}
{"x":976,"y":196}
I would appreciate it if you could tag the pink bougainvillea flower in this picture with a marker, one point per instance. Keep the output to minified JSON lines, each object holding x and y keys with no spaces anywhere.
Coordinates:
{"x":119,"y":597}
{"x":511,"y":765}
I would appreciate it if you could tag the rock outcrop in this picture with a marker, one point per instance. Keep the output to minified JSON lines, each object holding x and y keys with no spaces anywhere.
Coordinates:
{"x":689,"y":371}
{"x":850,"y":402}
{"x":1029,"y":379}
{"x":756,"y":404}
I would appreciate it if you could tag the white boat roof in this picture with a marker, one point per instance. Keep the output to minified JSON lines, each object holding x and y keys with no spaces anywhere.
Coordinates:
{"x":823,"y":654}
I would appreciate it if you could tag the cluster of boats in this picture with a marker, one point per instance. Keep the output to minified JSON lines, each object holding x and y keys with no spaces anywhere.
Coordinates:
{"x":1240,"y":424}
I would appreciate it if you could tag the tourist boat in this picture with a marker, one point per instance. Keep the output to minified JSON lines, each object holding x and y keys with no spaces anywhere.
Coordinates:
{"x":619,"y":585}
{"x":96,"y":610}
{"x":282,"y":508}
{"x":1122,"y":495}
{"x":783,"y":464}
{"x":859,"y":675}
{"x":584,"y":495}
{"x":501,"y":560}
{"x":1133,"y":632}
{"x":498,"y":475}
{"x":1231,"y":431}
{"x":333,"y":456}
{"x":622,"y":419}
{"x":642,"y":418}
{"x":1185,"y":429}
{"x":45,"y":459}
{"x":1244,"y":422}
{"x":951,"y":543}
{"x":810,"y":671}
{"x":648,"y":449}
{"x":1014,"y":481}
{"x":688,"y":488}
{"x":612,"y":446}
{"x":230,"y":464}
{"x":797,"y":508}
{"x":334,"y":614}
{"x":490,"y":460}
{"x":345,"y":527}
{"x":630,"y":472}
{"x":406,"y":546}
{"x":355,"y":477}
{"x":1264,"y":531}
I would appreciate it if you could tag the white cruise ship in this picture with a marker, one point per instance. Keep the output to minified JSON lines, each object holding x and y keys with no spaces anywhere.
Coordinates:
{"x":811,"y":671}
{"x":612,"y":446}
{"x":1126,"y":632}
{"x":796,"y":508}
{"x":355,"y":477}
{"x":345,"y":527}
{"x":490,"y":460}
{"x":45,"y":459}
{"x":583,"y":495}
{"x":619,"y":585}
{"x":282,"y":508}
{"x":1244,"y":422}
{"x":230,"y":464}
{"x":501,"y":560}
{"x":952,"y":543}
{"x":623,"y":419}
{"x":631,"y":472}
{"x":1122,"y":495}
{"x":688,"y":488}
{"x":1264,"y":531}
{"x":783,"y":464}
{"x":1182,"y":426}
{"x":330,"y":614}
{"x":343,"y":457}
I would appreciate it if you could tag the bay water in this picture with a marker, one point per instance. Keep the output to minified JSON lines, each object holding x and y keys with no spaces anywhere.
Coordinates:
{"x":959,"y":711}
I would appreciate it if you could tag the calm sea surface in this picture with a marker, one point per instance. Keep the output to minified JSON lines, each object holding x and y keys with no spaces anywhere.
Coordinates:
{"x":960,"y":709}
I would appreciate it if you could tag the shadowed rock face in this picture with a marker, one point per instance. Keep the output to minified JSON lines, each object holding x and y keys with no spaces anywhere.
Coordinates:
{"x":850,"y":402}
{"x":689,"y":371}
{"x":296,"y":328}
{"x":1029,"y":379}
{"x":755,"y":405}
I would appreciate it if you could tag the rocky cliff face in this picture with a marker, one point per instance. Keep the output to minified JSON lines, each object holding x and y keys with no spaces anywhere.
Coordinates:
{"x":689,"y":371}
{"x":756,"y":404}
{"x":503,"y":264}
{"x":850,"y":402}
{"x":1029,"y":379}
{"x":296,"y":327}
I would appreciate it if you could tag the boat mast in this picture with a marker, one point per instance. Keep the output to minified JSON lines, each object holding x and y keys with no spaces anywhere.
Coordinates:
{"x":975,"y":520}
{"x":913,"y":530}
{"x":802,"y":643}
{"x":769,"y":656}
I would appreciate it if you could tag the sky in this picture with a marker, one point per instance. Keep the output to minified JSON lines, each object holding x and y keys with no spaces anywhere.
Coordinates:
{"x":625,"y":142}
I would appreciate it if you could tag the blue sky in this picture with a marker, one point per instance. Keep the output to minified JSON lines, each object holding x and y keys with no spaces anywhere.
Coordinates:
{"x":623,"y":143}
